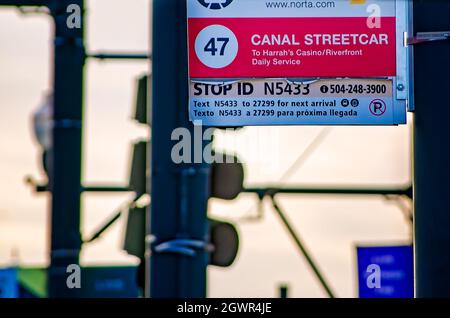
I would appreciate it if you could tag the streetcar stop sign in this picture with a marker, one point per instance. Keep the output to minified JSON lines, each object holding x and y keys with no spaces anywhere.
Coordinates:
{"x":283,"y":62}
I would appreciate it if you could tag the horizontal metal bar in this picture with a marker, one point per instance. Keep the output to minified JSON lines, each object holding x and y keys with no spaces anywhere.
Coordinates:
{"x":90,"y":188}
{"x":261,"y":192}
{"x":269,"y":191}
{"x":23,"y":3}
{"x":103,"y":188}
{"x":119,"y":56}
{"x":423,"y":37}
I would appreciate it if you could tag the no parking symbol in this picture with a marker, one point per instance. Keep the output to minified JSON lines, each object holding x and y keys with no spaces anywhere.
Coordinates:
{"x":377,"y":107}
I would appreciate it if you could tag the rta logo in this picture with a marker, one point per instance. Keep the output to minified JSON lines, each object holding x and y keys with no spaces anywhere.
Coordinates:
{"x":215,"y":4}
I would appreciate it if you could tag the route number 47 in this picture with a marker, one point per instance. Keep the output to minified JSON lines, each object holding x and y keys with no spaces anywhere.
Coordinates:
{"x":214,"y":43}
{"x":216,"y":46}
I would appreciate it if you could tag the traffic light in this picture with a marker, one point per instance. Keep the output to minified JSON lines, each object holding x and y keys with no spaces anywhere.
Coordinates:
{"x":135,"y":227}
{"x":139,"y":172}
{"x":143,"y":98}
{"x":134,"y":241}
{"x":136,"y":224}
{"x":135,"y":231}
{"x":227,"y":177}
{"x":139,"y":175}
{"x":224,"y":239}
{"x":227,"y":182}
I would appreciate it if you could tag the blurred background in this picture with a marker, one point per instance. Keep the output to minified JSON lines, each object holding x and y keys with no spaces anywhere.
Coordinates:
{"x":331,"y":226}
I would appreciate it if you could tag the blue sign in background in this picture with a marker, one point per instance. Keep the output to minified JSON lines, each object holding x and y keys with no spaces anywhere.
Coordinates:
{"x":9,"y":286}
{"x":396,"y":271}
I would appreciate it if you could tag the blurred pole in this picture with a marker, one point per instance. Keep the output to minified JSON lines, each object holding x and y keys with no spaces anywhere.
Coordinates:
{"x":432,"y":152}
{"x":301,"y":246}
{"x":18,"y":3}
{"x":179,"y":192}
{"x":284,"y":291}
{"x":65,"y":160}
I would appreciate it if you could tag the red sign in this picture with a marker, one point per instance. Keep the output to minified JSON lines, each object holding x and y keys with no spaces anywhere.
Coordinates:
{"x":291,"y":47}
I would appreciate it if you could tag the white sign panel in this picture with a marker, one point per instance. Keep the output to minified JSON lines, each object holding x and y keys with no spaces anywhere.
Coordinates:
{"x":252,"y":62}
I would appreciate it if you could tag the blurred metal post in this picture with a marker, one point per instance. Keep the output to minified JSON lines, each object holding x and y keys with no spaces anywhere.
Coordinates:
{"x":284,"y":291}
{"x":20,"y":3}
{"x":179,"y":192}
{"x":301,"y":246}
{"x":65,"y":158}
{"x":65,"y":162}
{"x":432,"y":152}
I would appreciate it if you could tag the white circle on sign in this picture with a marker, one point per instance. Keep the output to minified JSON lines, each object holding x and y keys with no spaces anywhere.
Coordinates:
{"x":216,"y":46}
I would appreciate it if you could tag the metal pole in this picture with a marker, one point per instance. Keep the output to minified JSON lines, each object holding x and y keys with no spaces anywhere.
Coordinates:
{"x":432,"y":152}
{"x":261,"y":192}
{"x":65,"y":157}
{"x":179,"y":192}
{"x":20,"y":3}
{"x":284,"y":291}
{"x":120,"y":56}
{"x":65,"y":160}
{"x":303,"y":249}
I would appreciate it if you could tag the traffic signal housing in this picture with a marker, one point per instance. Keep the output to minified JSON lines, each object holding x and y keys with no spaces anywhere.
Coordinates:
{"x":143,"y":98}
{"x":139,"y":171}
{"x":224,"y":239}
{"x":227,"y":177}
{"x":226,"y":183}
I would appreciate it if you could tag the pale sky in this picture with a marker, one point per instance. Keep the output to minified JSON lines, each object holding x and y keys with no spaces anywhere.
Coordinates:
{"x":330,"y":226}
